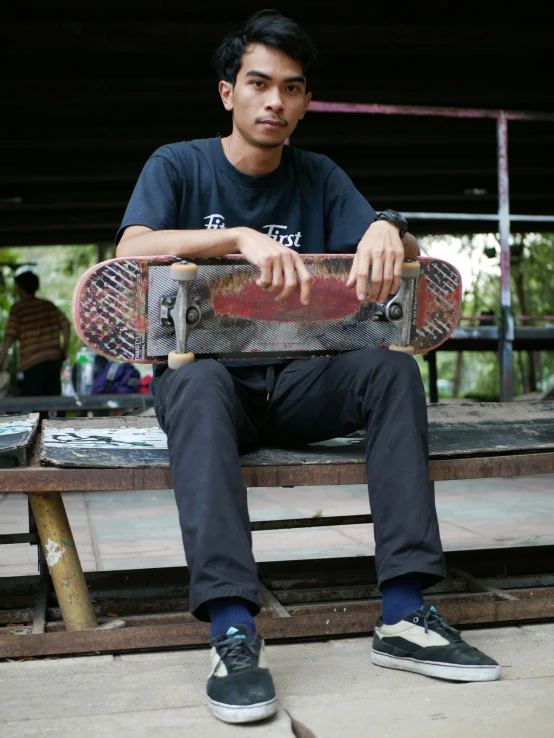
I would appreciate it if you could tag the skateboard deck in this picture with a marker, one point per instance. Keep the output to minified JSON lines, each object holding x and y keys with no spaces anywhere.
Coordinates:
{"x":133,"y":310}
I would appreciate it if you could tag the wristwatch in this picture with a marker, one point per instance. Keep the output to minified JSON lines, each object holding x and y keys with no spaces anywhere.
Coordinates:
{"x":397,"y":219}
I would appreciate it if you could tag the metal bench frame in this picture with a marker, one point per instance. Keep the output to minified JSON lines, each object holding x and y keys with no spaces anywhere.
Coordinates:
{"x":44,"y":486}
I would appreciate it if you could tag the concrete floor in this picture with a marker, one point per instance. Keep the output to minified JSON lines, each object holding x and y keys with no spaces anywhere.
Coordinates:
{"x":133,"y":530}
{"x":329,"y":686}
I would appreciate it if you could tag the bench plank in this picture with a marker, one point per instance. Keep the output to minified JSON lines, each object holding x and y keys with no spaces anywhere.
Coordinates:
{"x":456,"y":430}
{"x":123,"y":442}
{"x":16,"y":438}
{"x":481,"y":428}
{"x":36,"y":479}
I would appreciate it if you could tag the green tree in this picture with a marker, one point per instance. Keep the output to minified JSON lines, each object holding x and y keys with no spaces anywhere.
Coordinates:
{"x":532,"y":289}
{"x":58,"y":268}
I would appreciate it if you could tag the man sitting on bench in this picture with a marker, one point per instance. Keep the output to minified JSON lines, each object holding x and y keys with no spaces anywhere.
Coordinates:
{"x":247,"y":193}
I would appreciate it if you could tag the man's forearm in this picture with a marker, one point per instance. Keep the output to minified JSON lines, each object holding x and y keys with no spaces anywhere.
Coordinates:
{"x":200,"y":244}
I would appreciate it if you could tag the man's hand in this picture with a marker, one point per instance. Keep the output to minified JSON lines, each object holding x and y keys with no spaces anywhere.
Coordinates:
{"x":281,"y":269}
{"x":381,"y":250}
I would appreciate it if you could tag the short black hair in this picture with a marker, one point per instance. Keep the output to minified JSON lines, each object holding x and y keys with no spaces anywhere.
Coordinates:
{"x":28,"y":281}
{"x":270,"y":28}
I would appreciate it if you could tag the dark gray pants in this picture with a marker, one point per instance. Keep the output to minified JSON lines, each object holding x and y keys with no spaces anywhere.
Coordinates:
{"x":42,"y":379}
{"x":211,"y":412}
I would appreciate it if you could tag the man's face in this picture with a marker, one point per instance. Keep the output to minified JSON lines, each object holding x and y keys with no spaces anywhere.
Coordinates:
{"x":269,"y":97}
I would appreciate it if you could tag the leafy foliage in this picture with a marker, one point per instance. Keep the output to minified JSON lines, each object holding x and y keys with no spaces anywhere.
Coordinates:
{"x":57,"y":267}
{"x":481,"y":379}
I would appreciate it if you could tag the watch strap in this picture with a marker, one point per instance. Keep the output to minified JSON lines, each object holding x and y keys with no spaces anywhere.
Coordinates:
{"x":396,"y":218}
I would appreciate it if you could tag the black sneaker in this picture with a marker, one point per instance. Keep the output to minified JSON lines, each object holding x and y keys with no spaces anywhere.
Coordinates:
{"x":240,"y":687}
{"x":424,"y":642}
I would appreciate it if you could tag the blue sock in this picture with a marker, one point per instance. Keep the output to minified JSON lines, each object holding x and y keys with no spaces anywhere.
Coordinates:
{"x":401,"y":596}
{"x":228,"y":611}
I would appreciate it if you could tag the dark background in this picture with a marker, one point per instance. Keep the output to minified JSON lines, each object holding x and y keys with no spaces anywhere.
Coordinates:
{"x":89,"y":91}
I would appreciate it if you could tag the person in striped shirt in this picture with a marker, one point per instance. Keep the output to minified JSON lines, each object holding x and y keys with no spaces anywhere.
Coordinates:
{"x":37,"y":325}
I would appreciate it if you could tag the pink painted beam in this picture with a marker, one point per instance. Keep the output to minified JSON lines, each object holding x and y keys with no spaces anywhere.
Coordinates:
{"x":375,"y":109}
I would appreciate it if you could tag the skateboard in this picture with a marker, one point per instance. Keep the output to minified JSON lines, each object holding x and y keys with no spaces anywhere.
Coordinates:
{"x":158,"y":309}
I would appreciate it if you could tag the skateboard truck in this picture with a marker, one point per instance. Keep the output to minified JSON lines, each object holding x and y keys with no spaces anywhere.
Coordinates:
{"x":167,"y":306}
{"x":172,"y":309}
{"x":401,"y":305}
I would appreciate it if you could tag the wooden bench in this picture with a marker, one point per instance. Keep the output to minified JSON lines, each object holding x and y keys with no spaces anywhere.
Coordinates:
{"x":467,"y":441}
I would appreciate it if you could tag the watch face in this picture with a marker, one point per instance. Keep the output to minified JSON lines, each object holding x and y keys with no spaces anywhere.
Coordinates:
{"x":398,"y":217}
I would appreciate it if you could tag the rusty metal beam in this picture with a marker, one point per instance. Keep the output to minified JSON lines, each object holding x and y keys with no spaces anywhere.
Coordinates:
{"x":36,"y":479}
{"x":491,"y":466}
{"x":7,"y":538}
{"x":278,"y":603}
{"x":136,"y":605}
{"x":478,"y":586}
{"x":316,"y":522}
{"x":509,"y":567}
{"x":106,"y":641}
{"x":272,"y":603}
{"x":301,"y":599}
{"x":16,"y":616}
{"x":321,"y":620}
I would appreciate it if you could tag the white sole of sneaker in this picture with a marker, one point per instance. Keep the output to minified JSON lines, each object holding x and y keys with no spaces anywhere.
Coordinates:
{"x":243,"y":713}
{"x":437,"y":669}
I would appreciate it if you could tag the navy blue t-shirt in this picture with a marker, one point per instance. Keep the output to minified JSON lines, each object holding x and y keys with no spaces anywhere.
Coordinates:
{"x":308,"y":203}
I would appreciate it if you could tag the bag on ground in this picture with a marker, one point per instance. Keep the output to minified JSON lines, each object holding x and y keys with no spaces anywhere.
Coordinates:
{"x":116,"y":378}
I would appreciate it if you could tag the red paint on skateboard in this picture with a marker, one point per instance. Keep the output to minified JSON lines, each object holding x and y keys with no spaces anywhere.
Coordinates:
{"x":330,"y":300}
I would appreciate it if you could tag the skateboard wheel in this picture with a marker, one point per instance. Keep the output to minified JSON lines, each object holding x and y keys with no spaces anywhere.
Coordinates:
{"x":183,"y":272}
{"x":176,"y":360}
{"x":410,"y":269}
{"x":403,"y":349}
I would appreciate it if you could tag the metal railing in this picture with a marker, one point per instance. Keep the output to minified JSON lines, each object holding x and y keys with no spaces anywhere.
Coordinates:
{"x":503,"y":216}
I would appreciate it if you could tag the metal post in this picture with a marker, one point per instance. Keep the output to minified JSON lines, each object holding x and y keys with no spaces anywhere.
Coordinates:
{"x":63,"y":561}
{"x":505,"y":348}
{"x":433,"y":388}
{"x":502,"y":117}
